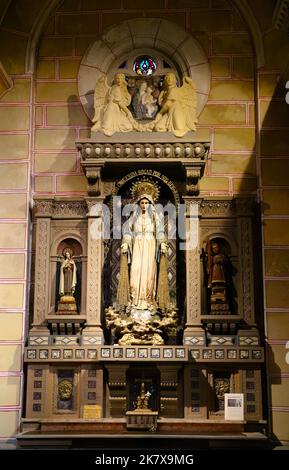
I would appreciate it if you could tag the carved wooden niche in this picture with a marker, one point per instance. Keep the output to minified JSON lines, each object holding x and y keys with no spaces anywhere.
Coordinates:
{"x":67,"y":277}
{"x":219,"y":283}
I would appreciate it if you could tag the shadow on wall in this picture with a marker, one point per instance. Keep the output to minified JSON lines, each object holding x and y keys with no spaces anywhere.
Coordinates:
{"x":274,"y":150}
{"x":66,"y":168}
{"x":274,"y":378}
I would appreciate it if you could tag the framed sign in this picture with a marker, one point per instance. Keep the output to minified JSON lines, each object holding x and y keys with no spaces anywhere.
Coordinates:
{"x":234,"y":406}
{"x":92,"y":412}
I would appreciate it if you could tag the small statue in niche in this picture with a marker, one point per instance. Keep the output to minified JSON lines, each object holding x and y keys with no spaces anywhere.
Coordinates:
{"x":150,"y":103}
{"x":144,"y":246}
{"x":142,"y":402}
{"x":67,"y":283}
{"x":218,"y":278}
{"x":178,"y":107}
{"x":143,"y":312}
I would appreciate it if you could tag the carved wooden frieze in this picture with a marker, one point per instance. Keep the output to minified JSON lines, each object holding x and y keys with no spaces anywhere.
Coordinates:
{"x":59,"y":208}
{"x":170,"y":353}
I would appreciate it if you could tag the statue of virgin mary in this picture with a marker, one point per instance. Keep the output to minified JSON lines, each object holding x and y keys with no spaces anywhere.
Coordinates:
{"x":143,"y":247}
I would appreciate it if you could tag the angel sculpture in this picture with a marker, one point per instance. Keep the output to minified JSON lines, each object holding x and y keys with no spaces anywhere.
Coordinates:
{"x":178,"y":107}
{"x":111,"y":106}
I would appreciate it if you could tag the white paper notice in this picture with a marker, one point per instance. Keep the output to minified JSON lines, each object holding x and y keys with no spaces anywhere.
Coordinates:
{"x":234,"y":406}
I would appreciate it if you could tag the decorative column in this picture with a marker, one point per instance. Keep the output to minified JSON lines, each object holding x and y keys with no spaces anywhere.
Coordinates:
{"x":93,"y":334}
{"x":249,"y":334}
{"x":39,"y":332}
{"x":193,"y":333}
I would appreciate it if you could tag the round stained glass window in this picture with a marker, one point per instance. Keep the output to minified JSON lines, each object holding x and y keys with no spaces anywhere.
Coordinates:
{"x":144,"y":65}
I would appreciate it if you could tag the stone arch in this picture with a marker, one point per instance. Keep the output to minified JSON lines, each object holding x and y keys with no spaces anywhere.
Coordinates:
{"x":140,"y":34}
{"x":36,"y":33}
{"x":253,"y":28}
{"x":224,"y":235}
{"x":61,"y":236}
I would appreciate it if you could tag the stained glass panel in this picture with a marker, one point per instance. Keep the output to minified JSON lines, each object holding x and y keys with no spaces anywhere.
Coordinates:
{"x":144,"y":65}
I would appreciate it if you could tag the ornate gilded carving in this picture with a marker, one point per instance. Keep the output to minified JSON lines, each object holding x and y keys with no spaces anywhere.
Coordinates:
{"x":142,"y":401}
{"x":148,"y":173}
{"x":139,"y":331}
{"x":65,"y":389}
{"x":221,"y":386}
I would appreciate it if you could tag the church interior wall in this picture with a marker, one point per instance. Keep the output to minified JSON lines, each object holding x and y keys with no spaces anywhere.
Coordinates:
{"x":245,"y":118}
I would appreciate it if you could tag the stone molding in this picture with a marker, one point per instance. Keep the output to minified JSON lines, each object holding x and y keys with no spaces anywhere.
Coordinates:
{"x":226,"y":207}
{"x":56,"y":207}
{"x":171,"y":353}
{"x":96,"y":154}
{"x":100,"y":151}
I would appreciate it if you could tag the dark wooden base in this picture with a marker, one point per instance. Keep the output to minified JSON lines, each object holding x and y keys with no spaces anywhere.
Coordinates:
{"x":113,"y":434}
{"x":106,"y":425}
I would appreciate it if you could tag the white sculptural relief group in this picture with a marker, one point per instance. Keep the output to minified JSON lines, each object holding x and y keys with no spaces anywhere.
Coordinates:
{"x":177,"y":113}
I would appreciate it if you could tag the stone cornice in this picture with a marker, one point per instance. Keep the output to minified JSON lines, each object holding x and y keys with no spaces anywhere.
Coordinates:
{"x":100,"y":151}
{"x":55,"y":207}
{"x":226,"y":207}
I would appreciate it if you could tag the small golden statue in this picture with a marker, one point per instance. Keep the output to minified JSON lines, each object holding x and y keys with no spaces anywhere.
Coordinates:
{"x":142,"y":417}
{"x":142,"y":401}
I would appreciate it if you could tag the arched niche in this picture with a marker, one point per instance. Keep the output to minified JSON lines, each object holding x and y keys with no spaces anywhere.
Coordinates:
{"x":77,"y":247}
{"x":144,"y":36}
{"x":229,"y":266}
{"x":168,"y":194}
